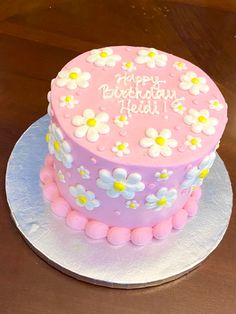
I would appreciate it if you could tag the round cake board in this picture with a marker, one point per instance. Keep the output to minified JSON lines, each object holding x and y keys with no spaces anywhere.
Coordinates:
{"x":96,"y":261}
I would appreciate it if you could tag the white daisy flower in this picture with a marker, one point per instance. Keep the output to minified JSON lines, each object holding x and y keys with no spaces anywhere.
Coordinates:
{"x":132,"y":204}
{"x":215,"y":105}
{"x":163,"y":198}
{"x":73,"y":78}
{"x":201,"y":121}
{"x":68,"y":101}
{"x":121,"y":149}
{"x":195,"y":176}
{"x":193,"y":142}
{"x":194,"y":84}
{"x":119,"y":183}
{"x":178,"y":107}
{"x":102,"y":57}
{"x":151,"y":57}
{"x":158,"y":142}
{"x":91,"y":125}
{"x":163,"y":175}
{"x":61,"y":176}
{"x":179,"y":65}
{"x":84,"y":198}
{"x":128,"y":66}
{"x":84,"y":173}
{"x":121,"y":121}
{"x":49,"y":110}
{"x":58,"y":146}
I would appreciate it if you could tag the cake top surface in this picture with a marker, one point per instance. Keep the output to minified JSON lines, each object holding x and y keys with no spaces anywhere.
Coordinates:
{"x":138,"y":106}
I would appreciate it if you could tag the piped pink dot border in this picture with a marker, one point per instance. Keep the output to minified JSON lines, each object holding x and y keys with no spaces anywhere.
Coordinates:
{"x":114,"y":235}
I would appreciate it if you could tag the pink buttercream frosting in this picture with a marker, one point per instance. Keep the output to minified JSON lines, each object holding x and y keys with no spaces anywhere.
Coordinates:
{"x":116,"y":235}
{"x":132,"y":136}
{"x":116,"y":78}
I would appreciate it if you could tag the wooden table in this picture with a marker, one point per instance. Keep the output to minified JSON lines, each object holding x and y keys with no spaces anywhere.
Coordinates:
{"x":37,"y":39}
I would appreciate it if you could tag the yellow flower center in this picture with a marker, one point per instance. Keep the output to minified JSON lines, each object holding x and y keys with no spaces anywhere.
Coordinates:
{"x":121,"y":146}
{"x":129,"y":65}
{"x":122,"y":118}
{"x":160,"y":140}
{"x":164,"y":175}
{"x":82,"y":172}
{"x":119,"y":186}
{"x":132,"y":205}
{"x":152,"y":54}
{"x":47,"y":137}
{"x":195,"y":80}
{"x":82,"y":199}
{"x":180,"y":107}
{"x":193,"y":141}
{"x":68,"y":98}
{"x":103,"y":54}
{"x":73,"y":75}
{"x":216,"y":103}
{"x":91,"y":122}
{"x":180,"y":64}
{"x":161,"y":202}
{"x":57,"y":146}
{"x":193,"y":187}
{"x":202,"y":119}
{"x":203,"y":174}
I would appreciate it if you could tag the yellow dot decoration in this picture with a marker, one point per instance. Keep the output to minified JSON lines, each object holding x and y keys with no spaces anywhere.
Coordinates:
{"x":180,"y":107}
{"x":152,"y":54}
{"x":160,"y":140}
{"x":103,"y":54}
{"x":91,"y":122}
{"x":194,"y":141}
{"x":202,"y":119}
{"x":57,"y":146}
{"x":203,"y":174}
{"x":68,"y":98}
{"x":119,"y":186}
{"x":122,"y":118}
{"x":195,"y":80}
{"x":82,"y":199}
{"x":73,"y":75}
{"x":161,"y":202}
{"x":82,"y":172}
{"x":129,"y":64}
{"x":121,"y":146}
{"x":164,"y":175}
{"x":132,"y":205}
{"x":47,"y":136}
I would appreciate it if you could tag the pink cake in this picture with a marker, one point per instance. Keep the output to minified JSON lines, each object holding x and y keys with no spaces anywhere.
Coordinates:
{"x":133,"y":134}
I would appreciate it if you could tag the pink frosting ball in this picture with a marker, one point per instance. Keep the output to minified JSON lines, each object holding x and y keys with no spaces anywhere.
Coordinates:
{"x":163,"y":229}
{"x":75,"y":220}
{"x":60,"y":207}
{"x":48,"y":161}
{"x":179,"y":219}
{"x":141,"y":236}
{"x":118,"y":235}
{"x":197,"y":193}
{"x":96,"y":230}
{"x":46,"y":175}
{"x":191,"y":206}
{"x":50,"y":191}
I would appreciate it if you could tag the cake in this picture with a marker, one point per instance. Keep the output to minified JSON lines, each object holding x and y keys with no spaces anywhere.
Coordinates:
{"x":133,"y":133}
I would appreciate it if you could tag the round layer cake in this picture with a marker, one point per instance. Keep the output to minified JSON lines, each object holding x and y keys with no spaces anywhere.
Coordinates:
{"x":132,"y":136}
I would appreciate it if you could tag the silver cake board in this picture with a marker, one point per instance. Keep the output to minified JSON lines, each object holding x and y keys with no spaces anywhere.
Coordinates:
{"x":96,"y":261}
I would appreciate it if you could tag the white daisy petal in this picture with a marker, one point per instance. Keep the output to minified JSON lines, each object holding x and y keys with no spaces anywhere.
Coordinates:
{"x":120,"y":174}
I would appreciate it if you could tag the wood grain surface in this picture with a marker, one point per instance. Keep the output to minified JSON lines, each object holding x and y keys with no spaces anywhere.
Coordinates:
{"x":37,"y":39}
